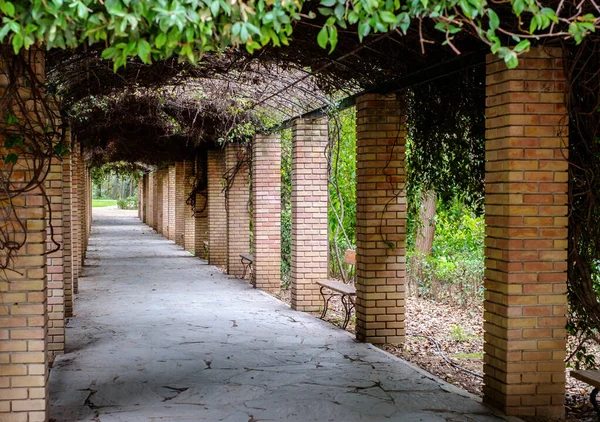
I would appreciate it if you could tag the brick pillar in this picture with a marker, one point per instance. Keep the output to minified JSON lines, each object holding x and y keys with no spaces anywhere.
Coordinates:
{"x":380,"y":219}
{"x":189,"y":230}
{"x":75,"y":226}
{"x":150,"y":201}
{"x":67,"y":234}
{"x":266,"y":194}
{"x":23,"y":294}
{"x":53,"y":186}
{"x":155,"y":200}
{"x":180,"y":188}
{"x":81,"y":208}
{"x":173,"y":202}
{"x":160,"y":176}
{"x":526,"y":235}
{"x":165,"y":209}
{"x":237,"y":198}
{"x":201,"y":212}
{"x":217,"y":216}
{"x":143,"y":200}
{"x":309,"y":212}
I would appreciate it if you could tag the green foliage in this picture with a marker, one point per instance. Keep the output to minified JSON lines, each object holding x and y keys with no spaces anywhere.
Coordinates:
{"x":454,"y":270}
{"x":286,"y":207}
{"x":342,"y":186}
{"x":130,"y":203}
{"x":458,"y":333}
{"x":158,"y":29}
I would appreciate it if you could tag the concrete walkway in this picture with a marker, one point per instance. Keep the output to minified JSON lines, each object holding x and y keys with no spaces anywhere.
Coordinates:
{"x":161,"y":336}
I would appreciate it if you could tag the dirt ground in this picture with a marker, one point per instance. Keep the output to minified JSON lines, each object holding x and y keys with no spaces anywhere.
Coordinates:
{"x":447,"y":341}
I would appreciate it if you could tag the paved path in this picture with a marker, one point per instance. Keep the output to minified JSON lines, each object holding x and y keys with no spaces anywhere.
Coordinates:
{"x":161,"y":336}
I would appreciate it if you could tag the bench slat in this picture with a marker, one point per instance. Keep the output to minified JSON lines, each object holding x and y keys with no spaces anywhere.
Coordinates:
{"x":589,"y":376}
{"x":247,"y":257}
{"x":338,"y":287}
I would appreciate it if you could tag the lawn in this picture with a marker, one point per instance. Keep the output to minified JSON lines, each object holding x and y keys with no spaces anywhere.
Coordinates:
{"x":96,"y":203}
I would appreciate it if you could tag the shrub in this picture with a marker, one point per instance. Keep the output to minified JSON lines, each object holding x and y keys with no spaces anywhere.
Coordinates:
{"x":130,"y":203}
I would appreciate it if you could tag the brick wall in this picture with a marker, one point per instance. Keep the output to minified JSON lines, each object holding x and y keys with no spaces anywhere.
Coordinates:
{"x":217,"y":215}
{"x":23,"y":294}
{"x":67,"y":246}
{"x":526,"y":235}
{"x":266,"y":194}
{"x":172,"y":202}
{"x":53,"y":186}
{"x":180,"y":189}
{"x":238,"y":217}
{"x":309,"y":212}
{"x":380,"y":219}
{"x":155,"y":200}
{"x":189,"y":230}
{"x":143,"y":200}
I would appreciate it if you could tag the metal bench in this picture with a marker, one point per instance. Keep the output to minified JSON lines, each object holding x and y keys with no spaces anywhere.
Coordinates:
{"x":592,"y":378}
{"x":248,"y":263}
{"x":346,"y":292}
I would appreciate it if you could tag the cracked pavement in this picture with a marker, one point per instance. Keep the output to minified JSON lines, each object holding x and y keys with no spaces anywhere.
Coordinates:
{"x":159,"y":335}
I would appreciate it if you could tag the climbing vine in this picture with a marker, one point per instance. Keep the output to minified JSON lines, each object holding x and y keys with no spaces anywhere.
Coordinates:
{"x":159,"y":29}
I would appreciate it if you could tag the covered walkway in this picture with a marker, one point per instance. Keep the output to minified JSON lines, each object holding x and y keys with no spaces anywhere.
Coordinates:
{"x":160,"y":335}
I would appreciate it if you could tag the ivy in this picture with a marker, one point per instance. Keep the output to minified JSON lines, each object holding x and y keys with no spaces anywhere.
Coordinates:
{"x":158,"y":29}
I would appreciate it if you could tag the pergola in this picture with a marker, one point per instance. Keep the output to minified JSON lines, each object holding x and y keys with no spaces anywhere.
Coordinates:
{"x":526,"y":199}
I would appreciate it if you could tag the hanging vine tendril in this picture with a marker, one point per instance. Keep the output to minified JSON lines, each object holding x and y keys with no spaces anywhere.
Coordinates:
{"x":32,"y":136}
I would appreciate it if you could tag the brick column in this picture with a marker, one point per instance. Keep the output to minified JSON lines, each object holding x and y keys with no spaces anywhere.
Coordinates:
{"x":201,"y":213}
{"x":67,"y":234}
{"x":380,"y":219}
{"x":160,"y":175}
{"x":75,"y":226}
{"x":526,"y":235}
{"x":238,"y":217}
{"x":81,"y":208}
{"x":150,"y":201}
{"x":266,"y":194}
{"x":189,"y":222}
{"x":180,"y":189}
{"x":309,"y":212}
{"x":172,"y":219}
{"x":217,"y":215}
{"x":165,"y":202}
{"x":143,"y":200}
{"x":155,"y":200}
{"x":23,"y":294}
{"x":53,"y":186}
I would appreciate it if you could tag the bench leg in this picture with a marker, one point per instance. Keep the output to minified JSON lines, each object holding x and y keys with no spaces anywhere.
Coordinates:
{"x":325,"y":302}
{"x":348,"y":307}
{"x":245,"y":268}
{"x":594,"y":400}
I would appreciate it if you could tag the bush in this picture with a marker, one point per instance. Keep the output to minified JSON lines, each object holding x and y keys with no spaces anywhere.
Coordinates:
{"x":454,"y":270}
{"x":130,"y":203}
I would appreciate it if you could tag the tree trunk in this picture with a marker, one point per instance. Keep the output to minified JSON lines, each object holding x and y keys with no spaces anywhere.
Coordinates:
{"x":426,"y":229}
{"x":423,"y":240}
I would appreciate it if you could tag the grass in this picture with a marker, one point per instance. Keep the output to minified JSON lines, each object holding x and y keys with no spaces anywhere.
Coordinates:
{"x":97,"y":203}
{"x":475,"y":355}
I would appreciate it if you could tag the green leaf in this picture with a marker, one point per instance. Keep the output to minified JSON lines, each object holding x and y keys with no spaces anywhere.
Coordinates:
{"x":323,"y":37}
{"x":11,"y":158}
{"x":333,"y":38}
{"x":160,"y":40}
{"x":387,"y":17}
{"x":328,"y":3}
{"x":494,"y":20}
{"x":511,"y":59}
{"x":143,"y":51}
{"x":518,"y":7}
{"x":8,"y":9}
{"x":17,"y":42}
{"x":522,"y":46}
